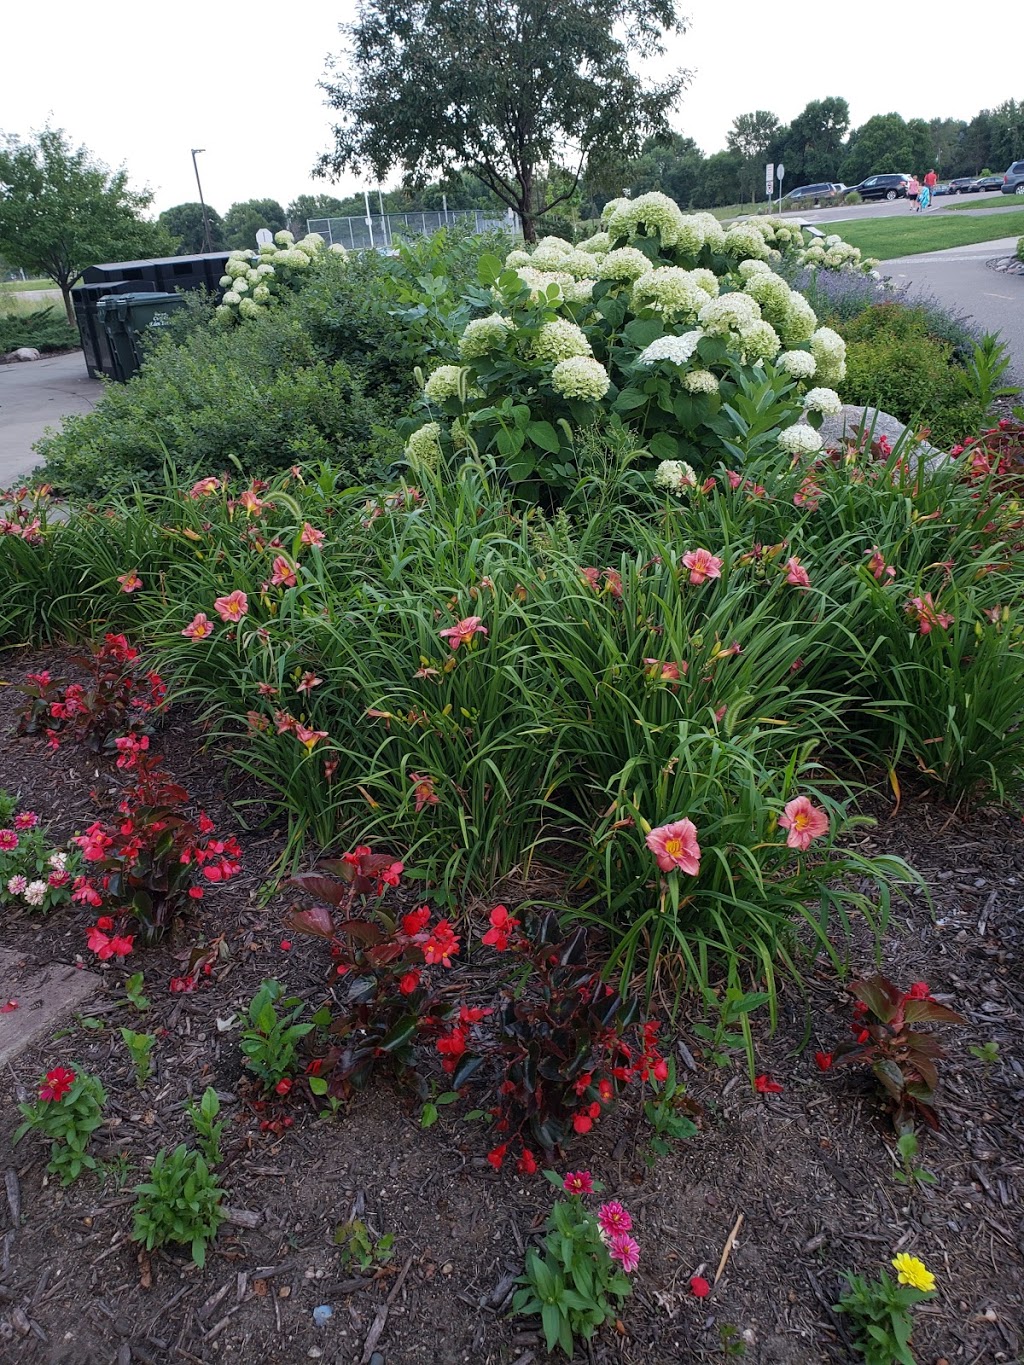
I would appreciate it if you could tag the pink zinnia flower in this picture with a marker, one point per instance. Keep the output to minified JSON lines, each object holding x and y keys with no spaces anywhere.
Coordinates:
{"x":578,"y":1182}
{"x":675,"y":847}
{"x":130,"y":582}
{"x":17,"y":884}
{"x":283,"y":573}
{"x":8,"y":841}
{"x":702,"y":565}
{"x":796,"y":574}
{"x":199,"y":627}
{"x":463,"y":631}
{"x":613,"y":1219}
{"x":26,"y":819}
{"x":805,"y":822}
{"x":625,"y":1250}
{"x":233,"y":607}
{"x":927,"y":615}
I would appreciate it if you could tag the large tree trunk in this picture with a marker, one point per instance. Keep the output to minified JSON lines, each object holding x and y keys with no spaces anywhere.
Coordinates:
{"x":526,"y":208}
{"x":69,"y":307}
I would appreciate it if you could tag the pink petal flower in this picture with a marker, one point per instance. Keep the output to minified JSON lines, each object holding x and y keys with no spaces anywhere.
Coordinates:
{"x":199,"y":627}
{"x":702,"y":565}
{"x":233,"y":607}
{"x":463,"y":631}
{"x":613,"y":1219}
{"x":675,"y":847}
{"x":796,"y":574}
{"x":625,"y":1250}
{"x":804,"y":821}
{"x":579,"y":1182}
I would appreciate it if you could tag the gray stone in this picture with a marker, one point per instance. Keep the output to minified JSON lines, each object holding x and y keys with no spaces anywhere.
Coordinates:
{"x":855,"y":423}
{"x":24,"y":353}
{"x":44,"y":995}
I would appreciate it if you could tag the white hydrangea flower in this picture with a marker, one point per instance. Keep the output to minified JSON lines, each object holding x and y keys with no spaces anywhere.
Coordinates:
{"x":829,"y":350}
{"x":674,"y":476}
{"x":241,"y":286}
{"x":581,"y":377}
{"x":265,"y":269}
{"x":238,"y":255}
{"x":311,"y":242}
{"x":833,"y":239}
{"x":825,"y":401}
{"x":655,"y":213}
{"x":612,"y":207}
{"x":759,"y":341}
{"x":677,"y":349}
{"x":35,"y":893}
{"x":283,"y":238}
{"x":549,"y":258}
{"x":556,"y":244}
{"x":800,"y":440}
{"x":249,"y":308}
{"x":706,"y":280}
{"x":515,"y":260}
{"x":484,"y":335}
{"x":753,"y":267}
{"x":798,"y":322}
{"x":232,"y":299}
{"x":580,"y":264}
{"x":700,"y":381}
{"x":714,"y":233}
{"x":728,"y":313}
{"x":237,"y":269}
{"x":224,"y":314}
{"x":225,"y":281}
{"x":744,"y":240}
{"x":800,"y":364}
{"x":772,"y":294}
{"x":671,"y":291}
{"x":444,"y":383}
{"x":261,"y":294}
{"x":425,"y":445}
{"x":624,"y":263}
{"x":596,"y":245}
{"x":559,"y":340}
{"x":268,"y":249}
{"x":338,"y":249}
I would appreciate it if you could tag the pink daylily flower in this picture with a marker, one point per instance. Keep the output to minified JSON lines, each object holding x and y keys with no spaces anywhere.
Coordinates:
{"x":702,"y":565}
{"x":232,"y":607}
{"x":463,"y":631}
{"x":796,"y":574}
{"x":804,"y":821}
{"x":675,"y":847}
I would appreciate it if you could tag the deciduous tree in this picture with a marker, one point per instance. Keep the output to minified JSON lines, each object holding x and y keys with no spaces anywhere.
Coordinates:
{"x":242,"y":221}
{"x":185,"y":223}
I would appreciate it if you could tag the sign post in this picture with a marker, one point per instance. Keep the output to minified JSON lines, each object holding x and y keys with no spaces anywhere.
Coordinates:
{"x":264,"y":237}
{"x":769,"y":181}
{"x":780,"y":171}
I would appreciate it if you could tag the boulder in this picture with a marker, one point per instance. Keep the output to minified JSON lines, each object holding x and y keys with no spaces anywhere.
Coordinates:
{"x":22,"y":353}
{"x":854,"y":424}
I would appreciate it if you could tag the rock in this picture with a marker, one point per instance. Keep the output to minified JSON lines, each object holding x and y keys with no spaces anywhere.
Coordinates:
{"x":853,"y":423}
{"x":24,"y":353}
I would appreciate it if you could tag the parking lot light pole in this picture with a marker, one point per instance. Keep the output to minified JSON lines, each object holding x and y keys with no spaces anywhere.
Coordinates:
{"x":207,"y":242}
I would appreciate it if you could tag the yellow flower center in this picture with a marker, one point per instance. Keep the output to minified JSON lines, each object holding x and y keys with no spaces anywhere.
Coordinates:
{"x":801,"y":821}
{"x":673,"y":847}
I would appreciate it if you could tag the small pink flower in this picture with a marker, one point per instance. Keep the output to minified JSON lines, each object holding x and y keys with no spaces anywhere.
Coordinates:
{"x":625,"y":1250}
{"x":578,"y":1182}
{"x":877,"y":565}
{"x":310,"y":535}
{"x":17,"y":884}
{"x":699,"y":1287}
{"x":8,"y":841}
{"x":233,"y":607}
{"x":26,"y":819}
{"x":130,"y":582}
{"x":675,"y":847}
{"x":204,"y":487}
{"x":927,"y":615}
{"x":307,"y":682}
{"x":282,"y":573}
{"x":796,"y":574}
{"x":805,"y":822}
{"x":199,"y":627}
{"x":307,"y":736}
{"x":463,"y":631}
{"x":702,"y":565}
{"x":613,"y":1219}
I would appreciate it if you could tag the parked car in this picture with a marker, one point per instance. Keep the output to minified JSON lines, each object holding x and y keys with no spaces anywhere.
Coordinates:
{"x":966,"y":184}
{"x":825,"y":189}
{"x":941,"y":188}
{"x":882,"y":187}
{"x":1013,"y":180}
{"x":988,"y":182}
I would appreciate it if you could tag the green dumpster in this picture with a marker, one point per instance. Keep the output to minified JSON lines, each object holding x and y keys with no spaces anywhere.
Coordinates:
{"x":124,"y":318}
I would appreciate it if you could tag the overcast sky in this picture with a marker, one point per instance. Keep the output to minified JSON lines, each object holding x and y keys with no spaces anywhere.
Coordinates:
{"x":142,"y":84}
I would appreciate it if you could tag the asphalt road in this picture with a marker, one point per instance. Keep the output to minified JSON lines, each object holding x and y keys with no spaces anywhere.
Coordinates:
{"x":34,"y":395}
{"x":979,"y":204}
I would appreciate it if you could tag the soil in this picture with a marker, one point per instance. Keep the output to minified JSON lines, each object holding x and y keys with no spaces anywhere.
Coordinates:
{"x":811,"y":1169}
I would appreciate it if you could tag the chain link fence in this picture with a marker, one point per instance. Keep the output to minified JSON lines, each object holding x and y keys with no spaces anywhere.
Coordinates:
{"x":379,"y":230}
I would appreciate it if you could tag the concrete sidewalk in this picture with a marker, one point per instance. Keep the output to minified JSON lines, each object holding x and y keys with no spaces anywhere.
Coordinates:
{"x":34,"y":395}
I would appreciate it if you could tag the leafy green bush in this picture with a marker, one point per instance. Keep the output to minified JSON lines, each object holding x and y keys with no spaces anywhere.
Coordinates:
{"x":46,"y":329}
{"x":1020,"y":249}
{"x":893,"y":362}
{"x":852,"y":197}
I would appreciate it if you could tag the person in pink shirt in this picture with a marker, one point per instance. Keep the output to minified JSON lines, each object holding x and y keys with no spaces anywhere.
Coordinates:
{"x":913,"y":190}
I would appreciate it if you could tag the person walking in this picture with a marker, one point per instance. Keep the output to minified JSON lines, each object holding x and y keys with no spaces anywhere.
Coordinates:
{"x":913,"y":190}
{"x":924,"y":198}
{"x":931,"y":180}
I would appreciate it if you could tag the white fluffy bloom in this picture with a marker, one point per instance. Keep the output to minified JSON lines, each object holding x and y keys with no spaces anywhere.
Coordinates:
{"x":484,"y":335}
{"x":677,"y":349}
{"x":58,"y":861}
{"x":224,"y":315}
{"x":624,"y":263}
{"x":225,"y":282}
{"x":237,"y":269}
{"x":35,"y":893}
{"x":829,"y":350}
{"x":580,"y":377}
{"x":674,"y":476}
{"x":424,"y":444}
{"x":283,"y":238}
{"x":654,"y":213}
{"x":800,"y":440}
{"x":800,"y":364}
{"x":728,"y":313}
{"x":752,"y":267}
{"x":596,"y":245}
{"x":612,"y":207}
{"x":759,"y":341}
{"x":772,"y":294}
{"x":261,"y":294}
{"x":714,"y":233}
{"x":338,"y":249}
{"x":825,"y":401}
{"x":539,"y":281}
{"x":559,"y":340}
{"x":265,"y":269}
{"x":706,"y":280}
{"x":556,"y":244}
{"x":580,"y":264}
{"x":238,"y":255}
{"x":833,"y":239}
{"x":549,"y":257}
{"x":744,"y":240}
{"x":700,"y":381}
{"x":799,"y":321}
{"x":241,"y":286}
{"x":670,"y":291}
{"x":444,"y":383}
{"x":249,"y":308}
{"x":515,"y":259}
{"x":232,"y":299}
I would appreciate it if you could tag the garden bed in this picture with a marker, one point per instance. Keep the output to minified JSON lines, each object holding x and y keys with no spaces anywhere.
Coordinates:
{"x":810,"y":1169}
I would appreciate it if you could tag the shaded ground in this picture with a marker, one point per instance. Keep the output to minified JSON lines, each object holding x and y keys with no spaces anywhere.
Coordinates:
{"x":810,"y":1170}
{"x":35,"y":395}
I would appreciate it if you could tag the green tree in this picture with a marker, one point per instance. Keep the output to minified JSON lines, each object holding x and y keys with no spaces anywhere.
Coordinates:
{"x":749,"y":138}
{"x":886,"y":144}
{"x":242,"y":222}
{"x":812,"y":145}
{"x":719,"y":180}
{"x":62,"y":211}
{"x":500,"y":88}
{"x":976,"y":144}
{"x":946,"y":134}
{"x":185,"y":223}
{"x":672,"y":166}
{"x":1007,"y":134}
{"x":306,"y":206}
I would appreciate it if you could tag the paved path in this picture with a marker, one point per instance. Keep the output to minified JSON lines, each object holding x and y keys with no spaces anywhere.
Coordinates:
{"x":35,"y":395}
{"x":960,"y":279}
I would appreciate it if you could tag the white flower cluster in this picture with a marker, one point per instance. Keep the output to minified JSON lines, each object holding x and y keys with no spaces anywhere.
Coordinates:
{"x":674,"y":476}
{"x":424,"y":445}
{"x":825,"y":401}
{"x":800,"y":364}
{"x":252,"y":281}
{"x":581,"y":377}
{"x":728,"y":313}
{"x":597,"y":245}
{"x":624,"y":263}
{"x":445,"y":382}
{"x":700,"y":381}
{"x":570,"y":289}
{"x":759,"y":341}
{"x":670,"y":291}
{"x":799,"y":440}
{"x":832,"y":253}
{"x":829,"y":351}
{"x":560,"y":340}
{"x":484,"y":335}
{"x":745,"y":241}
{"x":677,"y":349}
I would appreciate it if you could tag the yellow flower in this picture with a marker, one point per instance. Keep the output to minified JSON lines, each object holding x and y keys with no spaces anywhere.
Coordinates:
{"x":909,"y":1270}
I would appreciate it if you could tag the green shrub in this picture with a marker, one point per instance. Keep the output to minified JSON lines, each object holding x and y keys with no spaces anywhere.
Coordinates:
{"x":46,"y":329}
{"x":1020,"y":249}
{"x":894,"y":363}
{"x":852,"y":197}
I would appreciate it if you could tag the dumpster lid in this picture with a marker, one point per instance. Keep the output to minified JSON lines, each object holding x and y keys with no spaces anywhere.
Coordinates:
{"x":130,"y":299}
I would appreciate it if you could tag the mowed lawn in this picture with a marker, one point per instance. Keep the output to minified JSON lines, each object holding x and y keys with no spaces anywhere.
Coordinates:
{"x":910,"y":233}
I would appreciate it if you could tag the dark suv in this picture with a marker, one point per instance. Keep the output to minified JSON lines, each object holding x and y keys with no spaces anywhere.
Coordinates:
{"x":967,"y":184}
{"x":826,"y":189}
{"x":1013,"y":180}
{"x":882,"y":187}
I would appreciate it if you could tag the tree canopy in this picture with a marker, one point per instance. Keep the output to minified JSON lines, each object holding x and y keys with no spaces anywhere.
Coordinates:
{"x":185,"y":223}
{"x":242,"y":221}
{"x":500,"y":88}
{"x":61,"y":211}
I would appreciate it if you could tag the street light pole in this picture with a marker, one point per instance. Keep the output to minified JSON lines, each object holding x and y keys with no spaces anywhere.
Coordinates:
{"x":207,"y":242}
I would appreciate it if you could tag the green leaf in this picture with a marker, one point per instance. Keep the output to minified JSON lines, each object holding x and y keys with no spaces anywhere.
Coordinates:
{"x":551,"y":1320}
{"x":428,"y":1115}
{"x":642,"y":331}
{"x":630,"y":399}
{"x":318,"y":1085}
{"x":400,"y":1033}
{"x":663,"y":446}
{"x":544,"y":435}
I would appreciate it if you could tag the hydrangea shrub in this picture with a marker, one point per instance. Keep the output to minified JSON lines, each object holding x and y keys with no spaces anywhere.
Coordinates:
{"x":655,"y":323}
{"x":253,"y":281}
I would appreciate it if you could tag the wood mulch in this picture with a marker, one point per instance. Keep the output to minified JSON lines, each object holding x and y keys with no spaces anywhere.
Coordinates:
{"x":811,"y":1170}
